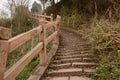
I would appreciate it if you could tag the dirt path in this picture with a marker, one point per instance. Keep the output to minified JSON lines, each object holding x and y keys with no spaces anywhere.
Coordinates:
{"x":73,"y":60}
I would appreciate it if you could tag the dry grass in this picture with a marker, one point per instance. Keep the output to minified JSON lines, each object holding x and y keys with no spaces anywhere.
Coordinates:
{"x":104,"y":35}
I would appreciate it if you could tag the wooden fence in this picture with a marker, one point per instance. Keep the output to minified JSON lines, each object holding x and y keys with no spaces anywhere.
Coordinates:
{"x":8,"y":44}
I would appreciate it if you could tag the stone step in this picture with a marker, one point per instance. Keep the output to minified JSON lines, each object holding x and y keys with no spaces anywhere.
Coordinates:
{"x":68,"y":78}
{"x":55,"y":78}
{"x":83,"y":45}
{"x":79,"y":78}
{"x":64,"y":50}
{"x":68,"y":53}
{"x":72,"y":60}
{"x":74,"y":56}
{"x":90,"y":60}
{"x":73,"y":65}
{"x":80,"y":64}
{"x":72,"y":53}
{"x":69,"y":72}
{"x":75,"y":46}
{"x":60,"y":66}
{"x":67,"y":60}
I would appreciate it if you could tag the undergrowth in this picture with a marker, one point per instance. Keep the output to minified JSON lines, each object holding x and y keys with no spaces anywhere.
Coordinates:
{"x":104,"y":36}
{"x":105,"y":40}
{"x":28,"y":70}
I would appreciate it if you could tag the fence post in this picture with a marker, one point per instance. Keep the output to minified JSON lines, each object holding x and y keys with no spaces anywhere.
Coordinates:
{"x":4,"y":46}
{"x":51,"y":19}
{"x":57,"y":26}
{"x":44,"y":15}
{"x":42,"y":37}
{"x":58,"y":22}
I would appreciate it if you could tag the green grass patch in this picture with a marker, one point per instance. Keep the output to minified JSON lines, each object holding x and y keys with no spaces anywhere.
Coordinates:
{"x":28,"y":70}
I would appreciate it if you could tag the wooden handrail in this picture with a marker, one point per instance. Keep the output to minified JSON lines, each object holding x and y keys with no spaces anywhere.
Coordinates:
{"x":17,"y":41}
{"x":8,"y":45}
{"x":41,"y":16}
{"x":11,"y":73}
{"x":37,"y":17}
{"x":51,"y":37}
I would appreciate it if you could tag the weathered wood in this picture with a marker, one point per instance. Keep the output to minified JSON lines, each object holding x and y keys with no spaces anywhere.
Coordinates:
{"x":40,"y":16}
{"x":51,"y":19}
{"x":49,"y":25}
{"x":19,"y":66}
{"x":51,"y":37}
{"x":58,"y":22}
{"x":42,"y":54}
{"x":56,"y":39}
{"x":43,"y":21}
{"x":4,"y":45}
{"x":4,"y":33}
{"x":44,"y":15}
{"x":3,"y":57}
{"x":41,"y":69}
{"x":57,"y":25}
{"x":22,"y":38}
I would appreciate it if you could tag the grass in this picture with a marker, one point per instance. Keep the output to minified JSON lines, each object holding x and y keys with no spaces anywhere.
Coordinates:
{"x":28,"y":70}
{"x":105,"y":45}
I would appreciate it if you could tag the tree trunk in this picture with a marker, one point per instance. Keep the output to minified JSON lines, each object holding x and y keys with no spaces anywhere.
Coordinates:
{"x":53,"y":2}
{"x":43,"y":6}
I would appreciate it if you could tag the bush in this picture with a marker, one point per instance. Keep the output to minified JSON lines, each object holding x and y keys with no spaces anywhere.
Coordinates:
{"x":5,"y":22}
{"x":105,"y":45}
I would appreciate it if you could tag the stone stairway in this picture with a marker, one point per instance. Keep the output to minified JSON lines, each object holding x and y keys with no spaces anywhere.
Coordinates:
{"x":73,"y":60}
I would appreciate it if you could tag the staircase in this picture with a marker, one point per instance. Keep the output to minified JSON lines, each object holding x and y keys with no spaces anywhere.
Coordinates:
{"x":73,"y":60}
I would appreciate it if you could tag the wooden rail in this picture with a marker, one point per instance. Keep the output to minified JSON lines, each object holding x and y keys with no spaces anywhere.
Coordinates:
{"x":8,"y":45}
{"x":42,"y":18}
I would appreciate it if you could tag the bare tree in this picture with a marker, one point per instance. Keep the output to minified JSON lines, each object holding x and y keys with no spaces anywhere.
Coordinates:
{"x":3,"y":14}
{"x":43,"y":3}
{"x":10,"y":7}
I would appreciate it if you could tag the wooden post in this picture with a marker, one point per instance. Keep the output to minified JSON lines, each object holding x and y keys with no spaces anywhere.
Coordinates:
{"x":57,"y":26}
{"x":4,"y":33}
{"x":58,"y":22}
{"x":51,"y":19}
{"x":42,"y":37}
{"x":4,"y":46}
{"x":44,"y":17}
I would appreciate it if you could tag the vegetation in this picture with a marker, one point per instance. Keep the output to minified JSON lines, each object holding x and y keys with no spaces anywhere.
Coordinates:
{"x":101,"y":17}
{"x":28,"y":70}
{"x":105,"y":40}
{"x":36,"y":7}
{"x":19,"y":20}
